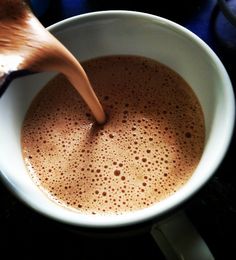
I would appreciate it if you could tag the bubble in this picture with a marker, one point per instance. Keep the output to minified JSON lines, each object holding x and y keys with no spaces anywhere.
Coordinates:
{"x":139,"y":157}
{"x":117,"y":172}
{"x":188,"y":135}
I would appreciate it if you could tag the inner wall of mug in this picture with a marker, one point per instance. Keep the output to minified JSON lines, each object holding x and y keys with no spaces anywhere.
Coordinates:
{"x":109,"y":33}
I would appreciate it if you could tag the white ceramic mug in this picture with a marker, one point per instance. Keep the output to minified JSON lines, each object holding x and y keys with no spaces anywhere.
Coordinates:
{"x":123,"y":32}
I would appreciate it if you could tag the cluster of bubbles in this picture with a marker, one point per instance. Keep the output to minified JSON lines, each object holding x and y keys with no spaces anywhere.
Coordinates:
{"x":146,"y":151}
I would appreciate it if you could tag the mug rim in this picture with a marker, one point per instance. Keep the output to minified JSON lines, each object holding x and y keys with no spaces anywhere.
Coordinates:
{"x":180,"y":197}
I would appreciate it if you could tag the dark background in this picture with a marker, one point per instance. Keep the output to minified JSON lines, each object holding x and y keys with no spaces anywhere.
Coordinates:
{"x":29,"y":235}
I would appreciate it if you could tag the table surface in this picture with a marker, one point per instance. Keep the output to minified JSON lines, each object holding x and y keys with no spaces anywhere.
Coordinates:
{"x":212,"y":211}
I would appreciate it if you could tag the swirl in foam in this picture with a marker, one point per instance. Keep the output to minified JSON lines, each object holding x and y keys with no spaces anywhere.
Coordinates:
{"x":147,"y":150}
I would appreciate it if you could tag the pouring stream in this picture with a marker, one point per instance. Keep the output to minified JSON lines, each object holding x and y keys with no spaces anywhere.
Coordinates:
{"x":27,"y":47}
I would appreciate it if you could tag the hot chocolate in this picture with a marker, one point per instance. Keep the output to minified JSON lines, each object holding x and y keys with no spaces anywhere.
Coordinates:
{"x":147,"y":150}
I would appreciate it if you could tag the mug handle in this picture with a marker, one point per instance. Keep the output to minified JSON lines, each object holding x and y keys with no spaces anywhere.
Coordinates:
{"x":178,"y":239}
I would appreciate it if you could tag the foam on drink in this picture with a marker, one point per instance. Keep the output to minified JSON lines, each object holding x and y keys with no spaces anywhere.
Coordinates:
{"x":147,"y":150}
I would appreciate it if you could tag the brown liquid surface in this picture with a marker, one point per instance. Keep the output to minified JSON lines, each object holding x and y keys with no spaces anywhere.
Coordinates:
{"x":147,"y":150}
